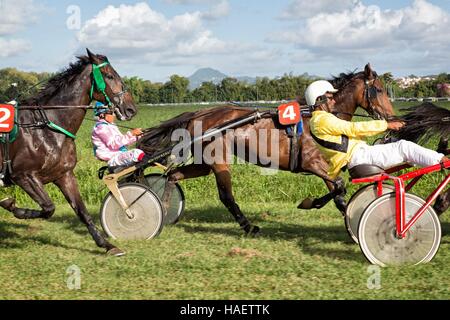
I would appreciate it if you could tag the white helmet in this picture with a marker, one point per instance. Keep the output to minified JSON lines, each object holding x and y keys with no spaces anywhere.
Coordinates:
{"x":317,"y":89}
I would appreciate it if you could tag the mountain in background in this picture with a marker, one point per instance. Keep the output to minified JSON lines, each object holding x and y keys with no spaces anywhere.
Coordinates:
{"x":215,"y":76}
{"x":205,"y":75}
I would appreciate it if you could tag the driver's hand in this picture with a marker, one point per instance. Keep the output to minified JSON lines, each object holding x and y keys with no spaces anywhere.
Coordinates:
{"x":396,"y":125}
{"x":137,"y":132}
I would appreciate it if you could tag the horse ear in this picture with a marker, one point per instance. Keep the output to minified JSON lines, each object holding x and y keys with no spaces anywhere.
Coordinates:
{"x":368,"y":72}
{"x":93,"y":57}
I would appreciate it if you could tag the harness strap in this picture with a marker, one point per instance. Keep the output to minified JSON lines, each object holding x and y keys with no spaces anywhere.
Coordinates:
{"x":339,"y":147}
{"x":54,"y":126}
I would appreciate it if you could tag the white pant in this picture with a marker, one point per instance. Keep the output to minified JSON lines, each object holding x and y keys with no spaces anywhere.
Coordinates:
{"x":126,"y":158}
{"x":390,"y":155}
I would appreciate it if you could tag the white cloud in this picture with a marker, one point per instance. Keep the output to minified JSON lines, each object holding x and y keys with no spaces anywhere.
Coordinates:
{"x":138,"y":30}
{"x":299,"y":9}
{"x":366,"y":32}
{"x":16,"y":15}
{"x":13,"y":47}
{"x":218,"y":10}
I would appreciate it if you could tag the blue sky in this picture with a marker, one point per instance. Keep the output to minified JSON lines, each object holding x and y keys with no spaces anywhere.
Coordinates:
{"x":157,"y":38}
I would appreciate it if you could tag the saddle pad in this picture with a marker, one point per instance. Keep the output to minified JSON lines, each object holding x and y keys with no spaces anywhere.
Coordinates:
{"x":8,"y":122}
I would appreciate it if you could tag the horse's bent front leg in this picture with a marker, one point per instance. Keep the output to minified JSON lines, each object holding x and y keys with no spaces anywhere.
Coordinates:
{"x":69,"y":187}
{"x":337,"y":189}
{"x":35,"y":189}
{"x":223,"y":179}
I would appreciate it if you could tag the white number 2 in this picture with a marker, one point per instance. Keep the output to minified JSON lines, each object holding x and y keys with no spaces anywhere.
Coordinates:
{"x":289,"y":113}
{"x":5,"y":117}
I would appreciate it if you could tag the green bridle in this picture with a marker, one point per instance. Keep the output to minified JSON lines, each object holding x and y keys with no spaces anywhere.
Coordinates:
{"x":99,"y":81}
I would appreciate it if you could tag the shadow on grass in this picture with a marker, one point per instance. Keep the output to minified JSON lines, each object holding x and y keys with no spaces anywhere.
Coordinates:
{"x":16,"y":235}
{"x":310,"y":239}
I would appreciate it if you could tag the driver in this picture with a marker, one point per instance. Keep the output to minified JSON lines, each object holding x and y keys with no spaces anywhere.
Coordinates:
{"x":341,"y":141}
{"x":110,"y":144}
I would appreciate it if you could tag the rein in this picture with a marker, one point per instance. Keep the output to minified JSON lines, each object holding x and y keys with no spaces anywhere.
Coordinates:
{"x":97,"y":82}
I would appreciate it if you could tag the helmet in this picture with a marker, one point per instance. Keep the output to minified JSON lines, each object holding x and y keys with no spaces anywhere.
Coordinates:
{"x":317,"y":89}
{"x":100,"y":108}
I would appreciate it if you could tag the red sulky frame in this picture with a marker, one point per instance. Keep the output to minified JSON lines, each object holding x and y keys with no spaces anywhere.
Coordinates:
{"x":400,"y":190}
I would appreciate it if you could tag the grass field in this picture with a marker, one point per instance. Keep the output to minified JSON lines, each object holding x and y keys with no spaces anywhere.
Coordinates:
{"x":300,"y":254}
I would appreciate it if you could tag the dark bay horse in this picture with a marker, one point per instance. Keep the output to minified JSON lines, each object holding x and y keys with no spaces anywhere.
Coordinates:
{"x":42,"y":154}
{"x":355,"y":89}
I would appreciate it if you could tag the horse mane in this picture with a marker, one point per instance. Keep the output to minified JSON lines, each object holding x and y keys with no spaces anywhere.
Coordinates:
{"x":423,"y":122}
{"x":342,"y":81}
{"x":58,"y":82}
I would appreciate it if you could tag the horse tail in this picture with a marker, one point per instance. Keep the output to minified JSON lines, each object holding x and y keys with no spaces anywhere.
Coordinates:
{"x":159,"y":138}
{"x":423,"y":122}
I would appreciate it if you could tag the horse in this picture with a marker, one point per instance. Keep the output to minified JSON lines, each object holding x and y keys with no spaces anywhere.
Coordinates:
{"x":44,"y":151}
{"x":355,"y":89}
{"x":423,"y":122}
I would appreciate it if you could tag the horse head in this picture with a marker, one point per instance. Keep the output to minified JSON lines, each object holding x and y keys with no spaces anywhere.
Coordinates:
{"x":373,"y":97}
{"x":363,"y":89}
{"x":108,"y":87}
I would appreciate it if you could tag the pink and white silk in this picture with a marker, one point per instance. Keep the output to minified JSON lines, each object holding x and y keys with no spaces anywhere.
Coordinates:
{"x":109,"y":142}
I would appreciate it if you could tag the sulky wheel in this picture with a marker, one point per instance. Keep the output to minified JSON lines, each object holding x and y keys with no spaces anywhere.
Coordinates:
{"x":145,"y":207}
{"x":378,"y":237}
{"x":358,"y":203}
{"x":157,"y":182}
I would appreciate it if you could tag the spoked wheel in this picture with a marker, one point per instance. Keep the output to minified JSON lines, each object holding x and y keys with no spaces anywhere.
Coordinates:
{"x":378,"y":238}
{"x":157,"y":183}
{"x":146,"y":210}
{"x":358,"y":203}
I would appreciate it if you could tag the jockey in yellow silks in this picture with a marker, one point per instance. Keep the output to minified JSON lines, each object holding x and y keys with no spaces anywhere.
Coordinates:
{"x":341,"y":141}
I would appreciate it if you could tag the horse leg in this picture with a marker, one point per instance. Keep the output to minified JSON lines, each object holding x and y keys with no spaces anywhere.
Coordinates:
{"x":223,"y":180}
{"x":35,"y":189}
{"x":69,"y":187}
{"x":337,"y":189}
{"x":183,"y":173}
{"x":442,"y":203}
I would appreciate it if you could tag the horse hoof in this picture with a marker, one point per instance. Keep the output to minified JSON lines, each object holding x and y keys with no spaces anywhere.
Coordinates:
{"x":254,"y":231}
{"x":115,"y":252}
{"x":306,"y":204}
{"x":8,"y":204}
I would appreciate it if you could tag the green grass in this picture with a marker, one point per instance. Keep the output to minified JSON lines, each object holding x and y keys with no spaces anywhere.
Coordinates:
{"x":300,"y":255}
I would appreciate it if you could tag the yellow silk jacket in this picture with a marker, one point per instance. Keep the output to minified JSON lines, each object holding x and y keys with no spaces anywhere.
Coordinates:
{"x":341,"y":137}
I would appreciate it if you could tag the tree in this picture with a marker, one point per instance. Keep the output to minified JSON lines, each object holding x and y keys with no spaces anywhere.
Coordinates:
{"x":24,"y":81}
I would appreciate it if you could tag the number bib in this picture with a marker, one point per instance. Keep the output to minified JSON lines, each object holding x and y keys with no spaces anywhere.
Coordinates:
{"x":7,"y":112}
{"x":289,"y":113}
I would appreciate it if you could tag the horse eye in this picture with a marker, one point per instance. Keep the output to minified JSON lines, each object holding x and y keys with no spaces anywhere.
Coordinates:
{"x":110,"y":77}
{"x":379,"y":90}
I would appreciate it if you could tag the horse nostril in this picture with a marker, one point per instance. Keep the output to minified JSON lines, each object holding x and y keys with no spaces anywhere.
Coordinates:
{"x":130,"y":111}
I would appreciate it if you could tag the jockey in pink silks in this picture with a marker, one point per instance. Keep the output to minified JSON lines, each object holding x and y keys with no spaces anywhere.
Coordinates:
{"x":110,"y":144}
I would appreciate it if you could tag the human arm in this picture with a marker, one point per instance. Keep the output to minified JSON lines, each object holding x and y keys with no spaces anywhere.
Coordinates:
{"x":113,"y":138}
{"x":331,"y":125}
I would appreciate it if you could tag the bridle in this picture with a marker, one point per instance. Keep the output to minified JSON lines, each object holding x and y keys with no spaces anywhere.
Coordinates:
{"x":371,"y":93}
{"x":99,"y":82}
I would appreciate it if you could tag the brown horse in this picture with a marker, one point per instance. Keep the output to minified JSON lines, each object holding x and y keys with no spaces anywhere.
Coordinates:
{"x":42,"y":154}
{"x":355,"y":89}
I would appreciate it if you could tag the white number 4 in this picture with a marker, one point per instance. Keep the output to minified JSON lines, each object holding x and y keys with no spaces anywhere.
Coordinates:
{"x":289,"y":113}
